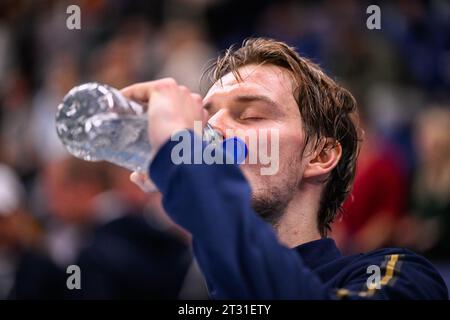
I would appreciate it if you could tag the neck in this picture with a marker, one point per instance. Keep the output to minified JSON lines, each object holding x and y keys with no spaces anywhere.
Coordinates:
{"x":298,"y":224}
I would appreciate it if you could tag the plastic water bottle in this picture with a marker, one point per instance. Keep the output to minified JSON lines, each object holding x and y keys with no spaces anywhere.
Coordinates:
{"x":96,"y":122}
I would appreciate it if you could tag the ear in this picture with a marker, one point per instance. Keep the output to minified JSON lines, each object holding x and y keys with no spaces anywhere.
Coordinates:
{"x":323,"y":159}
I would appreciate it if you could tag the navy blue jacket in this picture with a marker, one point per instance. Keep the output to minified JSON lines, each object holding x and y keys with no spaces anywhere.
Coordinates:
{"x":241,"y":257}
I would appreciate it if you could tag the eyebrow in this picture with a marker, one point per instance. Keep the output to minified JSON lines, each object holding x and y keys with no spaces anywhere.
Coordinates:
{"x":251,"y":98}
{"x":246,"y":99}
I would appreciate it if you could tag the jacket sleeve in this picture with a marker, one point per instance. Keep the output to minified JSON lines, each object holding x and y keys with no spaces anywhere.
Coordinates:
{"x":395,"y":274}
{"x":238,"y":252}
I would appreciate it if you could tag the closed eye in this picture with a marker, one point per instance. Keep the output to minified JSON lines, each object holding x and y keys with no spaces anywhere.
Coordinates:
{"x":251,"y":118}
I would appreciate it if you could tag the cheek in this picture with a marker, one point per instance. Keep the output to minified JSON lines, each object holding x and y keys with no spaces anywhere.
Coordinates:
{"x":274,"y":154}
{"x":259,"y":183}
{"x":283,"y":144}
{"x":291,"y":145}
{"x":251,"y":172}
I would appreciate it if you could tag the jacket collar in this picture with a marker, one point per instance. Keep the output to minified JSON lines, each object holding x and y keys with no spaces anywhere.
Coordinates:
{"x":318,"y":252}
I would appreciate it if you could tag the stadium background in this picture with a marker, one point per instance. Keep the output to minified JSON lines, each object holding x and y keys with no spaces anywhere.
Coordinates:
{"x":54,"y":205}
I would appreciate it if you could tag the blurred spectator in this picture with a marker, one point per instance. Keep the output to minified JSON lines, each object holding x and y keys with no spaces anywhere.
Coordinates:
{"x":120,"y":237}
{"x":70,"y":188}
{"x":61,"y":75}
{"x":378,"y":198}
{"x":25,"y":272}
{"x":124,"y":58}
{"x":136,"y":251}
{"x":10,"y":197}
{"x":428,"y":229}
{"x":186,"y":52}
{"x":17,"y":149}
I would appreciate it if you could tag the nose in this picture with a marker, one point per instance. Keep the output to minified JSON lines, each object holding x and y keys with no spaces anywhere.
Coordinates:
{"x":220,"y":122}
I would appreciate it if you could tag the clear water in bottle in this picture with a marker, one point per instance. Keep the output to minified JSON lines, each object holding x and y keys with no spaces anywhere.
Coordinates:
{"x":96,"y":122}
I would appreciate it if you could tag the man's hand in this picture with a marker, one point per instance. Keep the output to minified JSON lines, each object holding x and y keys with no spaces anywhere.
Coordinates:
{"x":171,"y":108}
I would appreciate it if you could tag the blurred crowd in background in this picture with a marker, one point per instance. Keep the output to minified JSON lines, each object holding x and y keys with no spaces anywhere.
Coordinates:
{"x":56,"y":210}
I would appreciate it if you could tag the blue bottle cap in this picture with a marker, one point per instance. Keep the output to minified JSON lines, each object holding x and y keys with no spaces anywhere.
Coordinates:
{"x":236,"y":148}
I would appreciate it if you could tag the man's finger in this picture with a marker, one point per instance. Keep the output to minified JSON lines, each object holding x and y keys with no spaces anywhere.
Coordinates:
{"x":205,"y":117}
{"x":143,"y":182}
{"x":139,"y":91}
{"x":197,"y":98}
{"x":142,"y":91}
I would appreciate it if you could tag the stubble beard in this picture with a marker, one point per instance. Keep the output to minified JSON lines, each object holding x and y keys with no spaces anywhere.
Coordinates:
{"x":271,"y":201}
